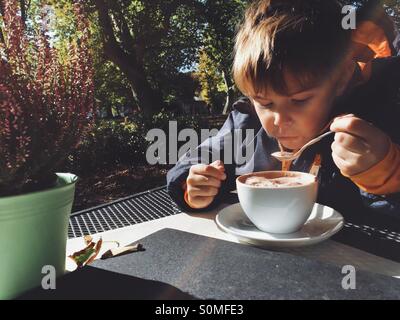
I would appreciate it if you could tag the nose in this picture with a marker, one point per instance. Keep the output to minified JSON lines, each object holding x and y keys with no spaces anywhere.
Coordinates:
{"x":282,"y":120}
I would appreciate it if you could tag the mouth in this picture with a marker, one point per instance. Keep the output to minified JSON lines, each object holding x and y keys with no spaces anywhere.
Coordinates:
{"x":286,"y":138}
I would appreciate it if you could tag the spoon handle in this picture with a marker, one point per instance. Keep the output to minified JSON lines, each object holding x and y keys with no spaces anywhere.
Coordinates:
{"x":316,"y":139}
{"x":292,"y":156}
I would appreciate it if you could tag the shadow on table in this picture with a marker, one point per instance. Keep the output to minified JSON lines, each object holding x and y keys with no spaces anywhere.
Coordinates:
{"x":93,"y":283}
{"x":373,"y":233}
{"x":230,"y":198}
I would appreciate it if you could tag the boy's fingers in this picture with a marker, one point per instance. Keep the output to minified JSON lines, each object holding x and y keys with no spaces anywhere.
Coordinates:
{"x":340,"y":163}
{"x":344,"y":153}
{"x":354,"y":126}
{"x":209,"y":170}
{"x":351,"y":143}
{"x":200,"y":202}
{"x":218,"y":164}
{"x":202,"y":191}
{"x":199,"y":180}
{"x":345,"y":115}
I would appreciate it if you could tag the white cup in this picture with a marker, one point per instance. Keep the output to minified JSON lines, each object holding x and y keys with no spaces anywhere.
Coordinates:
{"x":279,"y":209}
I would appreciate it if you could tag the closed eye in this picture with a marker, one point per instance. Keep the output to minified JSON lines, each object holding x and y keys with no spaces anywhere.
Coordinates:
{"x":265,"y":106}
{"x":300,"y":101}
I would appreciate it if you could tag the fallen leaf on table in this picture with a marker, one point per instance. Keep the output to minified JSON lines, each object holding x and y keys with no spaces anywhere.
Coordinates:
{"x":88,"y":254}
{"x":116,"y":252}
{"x":88,"y":239}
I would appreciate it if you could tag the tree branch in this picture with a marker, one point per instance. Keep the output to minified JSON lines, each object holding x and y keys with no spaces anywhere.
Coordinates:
{"x":128,"y":42}
{"x":149,"y":99}
{"x":111,"y":45}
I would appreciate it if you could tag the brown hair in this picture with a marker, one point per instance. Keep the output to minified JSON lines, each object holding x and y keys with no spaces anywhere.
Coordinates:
{"x":303,"y":37}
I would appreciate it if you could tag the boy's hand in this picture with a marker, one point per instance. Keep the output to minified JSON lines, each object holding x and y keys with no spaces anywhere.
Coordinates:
{"x":358,"y":145}
{"x":203,"y":183}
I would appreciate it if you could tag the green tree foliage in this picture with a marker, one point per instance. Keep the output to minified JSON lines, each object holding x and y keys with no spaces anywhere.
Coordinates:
{"x":213,"y":87}
{"x":145,"y":50}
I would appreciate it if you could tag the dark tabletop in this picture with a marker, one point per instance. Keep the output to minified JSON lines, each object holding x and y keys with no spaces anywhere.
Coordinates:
{"x":180,"y":265}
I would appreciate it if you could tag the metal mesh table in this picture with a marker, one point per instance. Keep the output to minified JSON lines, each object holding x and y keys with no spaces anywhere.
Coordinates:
{"x":378,"y":237}
{"x":156,"y":203}
{"x":149,"y":205}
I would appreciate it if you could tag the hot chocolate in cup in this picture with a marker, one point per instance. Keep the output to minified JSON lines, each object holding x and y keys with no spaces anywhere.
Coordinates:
{"x":277,"y":201}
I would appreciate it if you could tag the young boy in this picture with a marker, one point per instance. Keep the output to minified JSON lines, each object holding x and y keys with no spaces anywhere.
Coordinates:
{"x":303,"y":73}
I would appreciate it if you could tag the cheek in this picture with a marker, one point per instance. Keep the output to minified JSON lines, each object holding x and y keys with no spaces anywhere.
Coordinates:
{"x":308,"y":123}
{"x":266,"y":119}
{"x":316,"y":118}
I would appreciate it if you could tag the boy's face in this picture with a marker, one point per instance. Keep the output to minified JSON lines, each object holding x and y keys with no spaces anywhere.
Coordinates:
{"x":300,"y":116}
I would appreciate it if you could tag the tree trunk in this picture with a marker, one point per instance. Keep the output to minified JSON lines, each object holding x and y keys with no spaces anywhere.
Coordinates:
{"x":109,"y":113}
{"x":229,"y":93}
{"x":149,"y":100}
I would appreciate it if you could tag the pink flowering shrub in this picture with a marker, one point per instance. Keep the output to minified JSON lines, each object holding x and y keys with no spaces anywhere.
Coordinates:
{"x":46,"y":103}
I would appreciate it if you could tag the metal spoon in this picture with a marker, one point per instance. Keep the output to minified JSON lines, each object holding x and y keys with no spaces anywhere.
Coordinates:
{"x":288,"y":156}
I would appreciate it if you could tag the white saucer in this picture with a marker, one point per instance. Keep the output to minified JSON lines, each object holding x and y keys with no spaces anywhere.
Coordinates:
{"x":323,"y":223}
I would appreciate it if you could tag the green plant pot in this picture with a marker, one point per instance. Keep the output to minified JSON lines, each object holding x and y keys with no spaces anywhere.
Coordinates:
{"x":33,"y":234}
